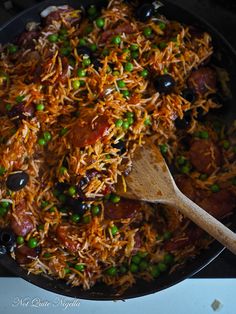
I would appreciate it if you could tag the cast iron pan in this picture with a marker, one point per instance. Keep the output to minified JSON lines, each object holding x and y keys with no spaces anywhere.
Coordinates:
{"x":101,"y":292}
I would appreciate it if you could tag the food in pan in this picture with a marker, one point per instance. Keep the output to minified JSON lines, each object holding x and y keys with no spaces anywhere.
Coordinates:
{"x":78,"y":94}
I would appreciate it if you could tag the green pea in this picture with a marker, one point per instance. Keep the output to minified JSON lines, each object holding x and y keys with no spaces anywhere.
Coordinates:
{"x":52,"y":209}
{"x":20,"y":98}
{"x":63,"y":131}
{"x":86,"y":62}
{"x":165,"y":71}
{"x":89,"y":29}
{"x":168,"y":258}
{"x":134,"y":54}
{"x":134,"y":47}
{"x":72,"y":191}
{"x":20,"y":240}
{"x":143,"y":265}
{"x":167,"y":235}
{"x":8,"y":107}
{"x":3,"y":211}
{"x":163,"y":148}
{"x":144,"y":73}
{"x":40,"y":227}
{"x":162,"y":25}
{"x":125,"y":93}
{"x":62,"y":198}
{"x":119,"y":123}
{"x":81,"y":72}
{"x":136,"y":259}
{"x":116,"y":40}
{"x":105,"y":52}
{"x":65,"y":51}
{"x":40,"y":107}
{"x":47,"y":136}
{"x":126,"y":51}
{"x":92,"y":10}
{"x":116,"y":73}
{"x":125,"y":124}
{"x":121,"y":84}
{"x":47,"y":255}
{"x":154,"y":270}
{"x":203,"y":176}
{"x":129,"y":114}
{"x":129,"y":67}
{"x":12,"y":49}
{"x":130,"y":120}
{"x":67,"y":270}
{"x":185,"y":169}
{"x":75,"y":218}
{"x":215,"y":188}
{"x":147,"y":32}
{"x":62,"y":170}
{"x":162,"y":45}
{"x":142,"y":254}
{"x":95,"y":210}
{"x":76,"y":84}
{"x":162,"y":267}
{"x":181,"y":160}
{"x":133,"y":268}
{"x":114,"y":230}
{"x":108,"y":156}
{"x":82,"y":42}
{"x":53,"y":38}
{"x":32,"y":243}
{"x":100,"y":22}
{"x":42,"y":142}
{"x":112,"y":271}
{"x":203,"y":134}
{"x":122,"y":269}
{"x":148,"y":122}
{"x":86,"y":219}
{"x":93,"y":47}
{"x":114,"y":198}
{"x":226,"y":144}
{"x":79,"y":267}
{"x":5,"y":204}
{"x":44,"y":204}
{"x":63,"y":31}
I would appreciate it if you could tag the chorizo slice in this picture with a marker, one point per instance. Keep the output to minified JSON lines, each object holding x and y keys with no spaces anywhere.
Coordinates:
{"x":202,"y":80}
{"x":126,"y":28}
{"x":122,"y":210}
{"x":89,"y":131}
{"x":68,"y":235}
{"x":24,"y":254}
{"x":186,"y":186}
{"x":21,"y":222}
{"x":205,"y":155}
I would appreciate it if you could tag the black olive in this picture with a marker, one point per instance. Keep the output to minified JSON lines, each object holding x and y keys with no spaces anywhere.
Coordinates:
{"x":189,"y":94}
{"x":7,"y":238}
{"x":83,"y":181}
{"x":17,"y":111}
{"x":3,"y":250}
{"x":144,"y":12}
{"x":164,"y":83}
{"x":183,"y":123}
{"x":38,"y":249}
{"x":83,"y":50}
{"x":17,"y":181}
{"x":77,"y":205}
{"x":62,"y":186}
{"x":121,"y":145}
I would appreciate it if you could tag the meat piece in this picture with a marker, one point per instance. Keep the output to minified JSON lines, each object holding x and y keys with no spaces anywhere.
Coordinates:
{"x":23,"y":224}
{"x":205,"y":155}
{"x":24,"y":254}
{"x":181,"y":241}
{"x":26,"y":39}
{"x":219,"y":204}
{"x":126,"y":28}
{"x":88,"y":132}
{"x":68,"y":236}
{"x":21,"y":111}
{"x":55,"y":15}
{"x":125,"y":208}
{"x":202,"y":80}
{"x":186,"y":186}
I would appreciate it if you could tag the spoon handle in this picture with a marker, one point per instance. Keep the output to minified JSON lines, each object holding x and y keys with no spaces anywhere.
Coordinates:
{"x":204,"y":220}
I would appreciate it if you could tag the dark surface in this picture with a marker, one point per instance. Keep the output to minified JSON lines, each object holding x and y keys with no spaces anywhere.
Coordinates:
{"x":223,"y":266}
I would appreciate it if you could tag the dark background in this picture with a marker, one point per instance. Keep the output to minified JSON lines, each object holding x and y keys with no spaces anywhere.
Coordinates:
{"x":222,"y":15}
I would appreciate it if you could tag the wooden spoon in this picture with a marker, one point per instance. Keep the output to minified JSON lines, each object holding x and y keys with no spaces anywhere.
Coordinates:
{"x":150,"y":180}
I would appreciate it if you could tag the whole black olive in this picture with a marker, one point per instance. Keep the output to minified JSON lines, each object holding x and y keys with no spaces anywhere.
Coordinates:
{"x":83,"y":50}
{"x":77,"y":205}
{"x":183,"y":123}
{"x":62,"y":186}
{"x":121,"y":145}
{"x":96,"y":64}
{"x":164,"y":83}
{"x":3,"y":250}
{"x":7,"y":238}
{"x":144,"y":12}
{"x":17,"y":181}
{"x":83,"y":181}
{"x":189,"y":94}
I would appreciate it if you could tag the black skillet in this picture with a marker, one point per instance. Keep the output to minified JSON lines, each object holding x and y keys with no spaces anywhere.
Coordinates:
{"x":102,"y":292}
